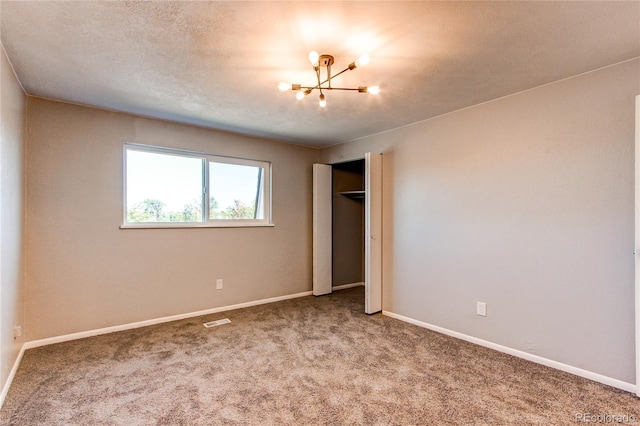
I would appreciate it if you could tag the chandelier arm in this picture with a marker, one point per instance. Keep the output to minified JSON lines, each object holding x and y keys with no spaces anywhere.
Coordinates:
{"x":319,"y":85}
{"x":334,"y":76}
{"x":330,"y":88}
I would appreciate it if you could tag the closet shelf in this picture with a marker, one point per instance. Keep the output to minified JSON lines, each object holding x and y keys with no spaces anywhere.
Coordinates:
{"x":352,"y":194}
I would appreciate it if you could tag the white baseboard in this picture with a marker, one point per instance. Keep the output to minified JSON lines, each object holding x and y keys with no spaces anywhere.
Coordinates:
{"x":345,"y":286}
{"x":520,"y":354}
{"x":12,"y":374}
{"x":129,"y":326}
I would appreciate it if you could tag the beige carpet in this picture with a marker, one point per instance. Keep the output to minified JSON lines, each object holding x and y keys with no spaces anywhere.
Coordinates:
{"x":300,"y":362}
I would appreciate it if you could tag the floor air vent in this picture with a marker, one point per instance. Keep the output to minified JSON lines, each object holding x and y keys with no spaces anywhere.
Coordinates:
{"x":217,"y":322}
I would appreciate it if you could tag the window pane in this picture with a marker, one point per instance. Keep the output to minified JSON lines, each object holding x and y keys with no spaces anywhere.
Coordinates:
{"x":163,"y":188}
{"x":235,"y":191}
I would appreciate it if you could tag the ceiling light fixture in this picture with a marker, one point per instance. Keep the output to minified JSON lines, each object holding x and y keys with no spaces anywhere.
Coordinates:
{"x":325,"y":61}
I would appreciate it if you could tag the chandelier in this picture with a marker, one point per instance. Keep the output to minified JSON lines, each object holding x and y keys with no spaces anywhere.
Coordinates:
{"x":325,"y":61}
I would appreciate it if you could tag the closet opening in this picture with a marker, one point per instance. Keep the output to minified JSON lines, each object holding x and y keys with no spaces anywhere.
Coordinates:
{"x":348,"y":229}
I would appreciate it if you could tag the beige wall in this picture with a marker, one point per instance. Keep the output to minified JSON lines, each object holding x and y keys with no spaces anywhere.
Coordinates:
{"x":526,"y":203}
{"x":85,"y":273}
{"x":12,"y":116}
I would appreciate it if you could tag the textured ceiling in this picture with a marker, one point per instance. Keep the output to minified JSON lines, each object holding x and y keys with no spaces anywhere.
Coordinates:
{"x":217,"y":64}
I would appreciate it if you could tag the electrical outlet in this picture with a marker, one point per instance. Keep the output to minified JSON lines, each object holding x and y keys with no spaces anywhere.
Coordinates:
{"x":17,"y":331}
{"x":481,"y":309}
{"x":219,"y":284}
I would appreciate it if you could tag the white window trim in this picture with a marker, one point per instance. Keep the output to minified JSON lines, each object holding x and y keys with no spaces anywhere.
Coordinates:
{"x":206,"y":158}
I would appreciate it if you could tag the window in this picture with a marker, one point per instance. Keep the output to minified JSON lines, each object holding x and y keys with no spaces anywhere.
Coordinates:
{"x":173,"y":188}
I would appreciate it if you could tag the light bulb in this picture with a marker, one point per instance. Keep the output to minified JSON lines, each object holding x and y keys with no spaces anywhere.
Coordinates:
{"x":300,"y":95}
{"x":374,"y":90}
{"x":313,"y":58}
{"x":323,"y":101}
{"x":363,"y":60}
{"x":283,"y":87}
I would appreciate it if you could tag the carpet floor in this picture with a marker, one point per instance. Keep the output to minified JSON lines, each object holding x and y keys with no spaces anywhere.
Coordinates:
{"x":304,"y":361}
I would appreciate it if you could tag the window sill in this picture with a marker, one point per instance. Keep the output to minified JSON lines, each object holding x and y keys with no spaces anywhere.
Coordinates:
{"x":195,"y":226}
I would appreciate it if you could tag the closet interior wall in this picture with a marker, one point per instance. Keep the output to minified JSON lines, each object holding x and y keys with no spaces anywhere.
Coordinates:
{"x":348,"y":223}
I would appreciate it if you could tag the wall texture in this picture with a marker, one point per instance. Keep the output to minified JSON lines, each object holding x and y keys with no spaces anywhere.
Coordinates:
{"x":525,"y":203}
{"x":85,"y":273}
{"x":12,"y":118}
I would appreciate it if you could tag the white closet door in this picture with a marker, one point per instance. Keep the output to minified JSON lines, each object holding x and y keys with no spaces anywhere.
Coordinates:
{"x":637,"y":245}
{"x":373,"y":233}
{"x":322,"y":235}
